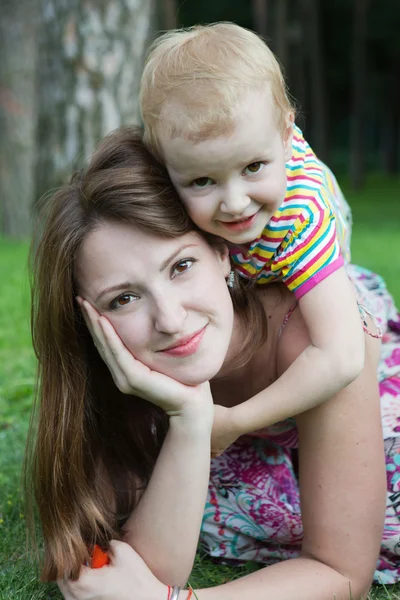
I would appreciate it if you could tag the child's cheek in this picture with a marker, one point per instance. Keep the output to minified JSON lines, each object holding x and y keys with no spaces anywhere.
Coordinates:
{"x":198,"y":209}
{"x":187,"y":200}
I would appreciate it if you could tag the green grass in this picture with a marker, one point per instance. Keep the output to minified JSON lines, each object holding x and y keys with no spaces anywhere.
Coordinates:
{"x":18,"y":574}
{"x":376,"y":244}
{"x":376,"y":230}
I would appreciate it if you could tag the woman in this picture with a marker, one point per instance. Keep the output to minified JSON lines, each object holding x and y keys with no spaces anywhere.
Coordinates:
{"x":117,"y":237}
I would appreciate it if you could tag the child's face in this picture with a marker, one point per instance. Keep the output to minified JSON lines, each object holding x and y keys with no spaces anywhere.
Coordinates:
{"x":231,"y":185}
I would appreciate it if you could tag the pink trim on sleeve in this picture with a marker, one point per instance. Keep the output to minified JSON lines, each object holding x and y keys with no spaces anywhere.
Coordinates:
{"x":318,"y":277}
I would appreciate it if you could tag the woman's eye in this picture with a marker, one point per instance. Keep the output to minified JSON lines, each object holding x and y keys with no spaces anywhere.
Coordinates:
{"x":253,"y":168}
{"x":202,"y":182}
{"x":122,"y":300}
{"x":183,"y":266}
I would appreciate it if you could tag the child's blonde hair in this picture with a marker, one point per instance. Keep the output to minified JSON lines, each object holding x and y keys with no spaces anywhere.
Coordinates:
{"x":194,"y":79}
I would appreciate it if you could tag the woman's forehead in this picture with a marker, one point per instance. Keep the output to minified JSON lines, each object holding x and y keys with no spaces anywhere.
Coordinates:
{"x":118,"y":250}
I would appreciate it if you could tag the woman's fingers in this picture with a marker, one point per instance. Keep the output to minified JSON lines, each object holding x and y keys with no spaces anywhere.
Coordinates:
{"x":126,"y":578}
{"x":84,"y":588}
{"x":90,"y":316}
{"x":139,"y":378}
{"x":122,"y":551}
{"x":129,"y":375}
{"x":92,"y":320}
{"x":122,"y":361}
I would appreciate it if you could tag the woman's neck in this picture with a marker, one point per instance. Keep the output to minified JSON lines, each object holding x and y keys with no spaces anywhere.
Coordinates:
{"x":235,"y":345}
{"x":276,"y":301}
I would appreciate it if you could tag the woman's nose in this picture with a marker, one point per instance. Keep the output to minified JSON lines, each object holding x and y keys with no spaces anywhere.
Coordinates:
{"x":169,"y":316}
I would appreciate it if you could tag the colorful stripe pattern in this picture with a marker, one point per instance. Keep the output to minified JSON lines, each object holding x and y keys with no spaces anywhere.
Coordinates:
{"x":307,"y":237}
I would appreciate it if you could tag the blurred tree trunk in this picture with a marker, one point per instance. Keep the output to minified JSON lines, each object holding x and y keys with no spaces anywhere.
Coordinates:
{"x":260,"y":17}
{"x":91,"y":57}
{"x":169,"y":14}
{"x":316,"y":81}
{"x":357,"y":166}
{"x":17,"y":110}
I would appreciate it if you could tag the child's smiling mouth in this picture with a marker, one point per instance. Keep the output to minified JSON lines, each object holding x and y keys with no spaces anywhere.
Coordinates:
{"x":239,"y":224}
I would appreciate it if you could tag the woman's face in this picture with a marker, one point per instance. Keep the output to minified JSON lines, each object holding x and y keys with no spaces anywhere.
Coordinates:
{"x":166,"y":298}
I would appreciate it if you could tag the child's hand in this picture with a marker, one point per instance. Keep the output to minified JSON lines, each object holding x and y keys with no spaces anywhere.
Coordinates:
{"x":133,"y":377}
{"x":224,"y":431}
{"x":126,"y":578}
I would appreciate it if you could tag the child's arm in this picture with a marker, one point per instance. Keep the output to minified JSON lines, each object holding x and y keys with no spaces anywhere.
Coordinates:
{"x":334,"y":358}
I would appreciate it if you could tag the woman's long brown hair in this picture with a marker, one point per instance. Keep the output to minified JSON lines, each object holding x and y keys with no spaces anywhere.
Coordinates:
{"x":91,"y":449}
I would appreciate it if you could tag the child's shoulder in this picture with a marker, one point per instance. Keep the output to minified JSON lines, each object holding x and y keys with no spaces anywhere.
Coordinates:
{"x":303,"y":157}
{"x":305,"y":176}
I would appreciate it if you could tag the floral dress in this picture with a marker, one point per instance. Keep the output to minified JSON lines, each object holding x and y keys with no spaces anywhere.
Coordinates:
{"x":253,"y":504}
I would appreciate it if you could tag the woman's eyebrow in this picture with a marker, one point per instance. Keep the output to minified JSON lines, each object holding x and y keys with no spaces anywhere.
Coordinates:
{"x":168,"y":260}
{"x":128,"y":284}
{"x":114,"y":288}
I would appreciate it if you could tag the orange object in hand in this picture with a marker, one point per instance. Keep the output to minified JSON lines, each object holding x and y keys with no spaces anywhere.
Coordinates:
{"x":99,"y":558}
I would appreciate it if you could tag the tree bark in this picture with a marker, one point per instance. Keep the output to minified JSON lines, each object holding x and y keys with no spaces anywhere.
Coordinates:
{"x":358,"y":105}
{"x":91,"y":57}
{"x":17,"y":115}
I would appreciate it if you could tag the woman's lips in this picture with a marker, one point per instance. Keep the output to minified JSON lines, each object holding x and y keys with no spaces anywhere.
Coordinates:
{"x":188,"y":347}
{"x":241,"y":225}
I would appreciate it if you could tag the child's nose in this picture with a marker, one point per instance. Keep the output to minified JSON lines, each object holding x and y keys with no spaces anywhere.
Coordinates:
{"x":234,"y":201}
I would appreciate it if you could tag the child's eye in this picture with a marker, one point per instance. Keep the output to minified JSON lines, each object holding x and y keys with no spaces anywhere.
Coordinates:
{"x":253,"y":168}
{"x":122,"y":300}
{"x":202,"y":182}
{"x":182,"y":266}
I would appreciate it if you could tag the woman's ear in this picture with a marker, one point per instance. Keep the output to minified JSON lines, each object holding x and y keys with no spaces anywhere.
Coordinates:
{"x":288,"y":136}
{"x":224,"y":259}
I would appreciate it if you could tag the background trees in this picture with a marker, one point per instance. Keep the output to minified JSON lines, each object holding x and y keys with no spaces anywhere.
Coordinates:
{"x":70,"y":74}
{"x":70,"y":69}
{"x":17,"y":114}
{"x":90,"y":58}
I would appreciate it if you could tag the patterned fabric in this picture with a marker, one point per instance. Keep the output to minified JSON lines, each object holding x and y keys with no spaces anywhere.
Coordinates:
{"x":306,"y":239}
{"x":253,"y":505}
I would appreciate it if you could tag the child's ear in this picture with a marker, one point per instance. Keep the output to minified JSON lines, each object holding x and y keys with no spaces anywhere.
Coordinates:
{"x":288,"y":136}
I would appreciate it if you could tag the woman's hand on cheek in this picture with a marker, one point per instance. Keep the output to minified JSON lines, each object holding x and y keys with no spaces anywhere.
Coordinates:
{"x":126,"y":578}
{"x":133,"y":377}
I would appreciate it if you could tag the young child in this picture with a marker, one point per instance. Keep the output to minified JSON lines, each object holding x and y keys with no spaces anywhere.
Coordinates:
{"x":216,"y":112}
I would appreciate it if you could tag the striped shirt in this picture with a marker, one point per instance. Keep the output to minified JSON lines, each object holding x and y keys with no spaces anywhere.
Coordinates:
{"x":307,"y":238}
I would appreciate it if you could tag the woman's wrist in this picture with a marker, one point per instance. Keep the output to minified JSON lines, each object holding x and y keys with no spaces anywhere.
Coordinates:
{"x":236,"y":421}
{"x":196,"y":418}
{"x":199,"y":427}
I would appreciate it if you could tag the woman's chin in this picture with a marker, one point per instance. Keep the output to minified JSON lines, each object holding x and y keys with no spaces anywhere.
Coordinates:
{"x":191,"y":379}
{"x":193,"y":376}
